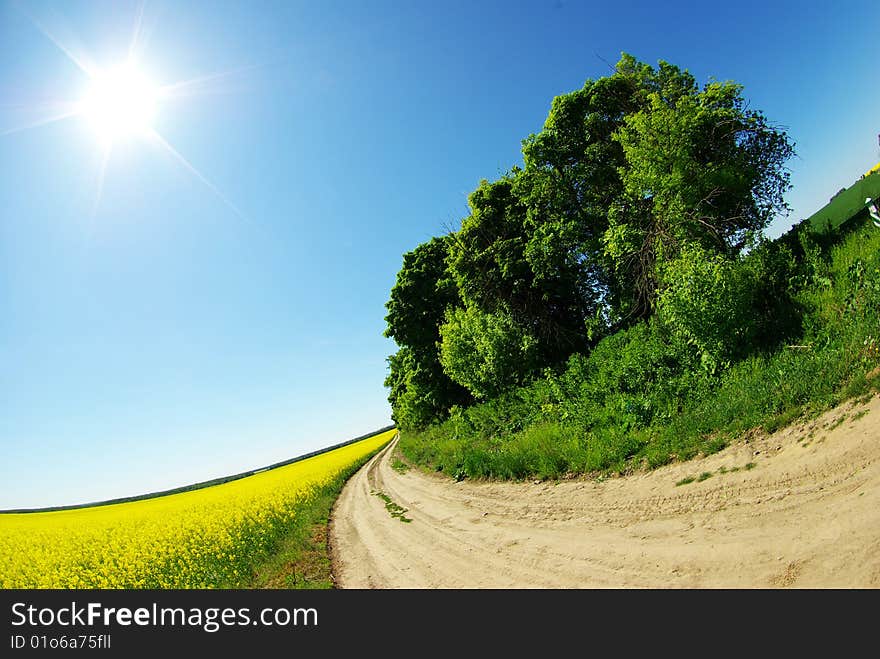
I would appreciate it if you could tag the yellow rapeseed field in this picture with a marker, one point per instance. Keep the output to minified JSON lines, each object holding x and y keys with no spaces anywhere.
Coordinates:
{"x":199,"y":539}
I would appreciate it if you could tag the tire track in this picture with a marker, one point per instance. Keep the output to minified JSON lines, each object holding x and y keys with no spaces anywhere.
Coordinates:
{"x":806,"y":515}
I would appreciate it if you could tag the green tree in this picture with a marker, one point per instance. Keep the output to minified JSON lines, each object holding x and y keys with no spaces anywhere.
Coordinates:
{"x":503,"y":263}
{"x":420,"y":392}
{"x":701,"y":169}
{"x":486,"y":352}
{"x":636,"y":180}
{"x":573,"y":177}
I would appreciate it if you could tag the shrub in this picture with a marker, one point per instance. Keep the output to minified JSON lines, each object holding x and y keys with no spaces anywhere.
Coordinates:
{"x":709,"y":301}
{"x":486,"y":352}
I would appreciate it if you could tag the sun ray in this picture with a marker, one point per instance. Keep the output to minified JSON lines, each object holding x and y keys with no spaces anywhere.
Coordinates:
{"x":102,"y":174}
{"x":161,"y":141}
{"x":121,"y":101}
{"x":83,"y":62}
{"x":67,"y":114}
{"x":192,"y":86}
{"x":136,"y":32}
{"x":142,"y":32}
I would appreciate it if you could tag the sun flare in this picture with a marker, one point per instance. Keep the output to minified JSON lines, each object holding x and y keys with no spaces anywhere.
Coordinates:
{"x":120,"y":103}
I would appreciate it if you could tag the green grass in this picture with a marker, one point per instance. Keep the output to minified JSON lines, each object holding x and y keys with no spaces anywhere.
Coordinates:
{"x":838,"y":422}
{"x":395,"y":510}
{"x":708,"y":474}
{"x":302,"y":559}
{"x":580,"y":423}
{"x":783,"y":419}
{"x":399,"y":466}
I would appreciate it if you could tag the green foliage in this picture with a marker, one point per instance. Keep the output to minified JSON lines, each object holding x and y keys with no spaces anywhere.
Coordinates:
{"x":570,"y":180}
{"x":486,"y":352}
{"x":700,"y":170}
{"x":420,"y":296}
{"x":504,"y":262}
{"x":547,"y":450}
{"x":419,"y":391}
{"x":641,"y":397}
{"x":641,"y":187}
{"x":630,"y":380}
{"x":399,"y":466}
{"x":709,"y":301}
{"x":777,"y":273}
{"x":394,"y":509}
{"x":783,"y":419}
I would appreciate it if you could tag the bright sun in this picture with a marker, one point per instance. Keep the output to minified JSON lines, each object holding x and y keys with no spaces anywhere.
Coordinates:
{"x":120,"y":103}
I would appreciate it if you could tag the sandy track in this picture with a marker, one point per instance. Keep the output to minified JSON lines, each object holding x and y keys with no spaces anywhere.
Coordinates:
{"x":806,"y":515}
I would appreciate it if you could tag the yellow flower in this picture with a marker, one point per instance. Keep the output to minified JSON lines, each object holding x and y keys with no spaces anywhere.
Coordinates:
{"x":186,"y":540}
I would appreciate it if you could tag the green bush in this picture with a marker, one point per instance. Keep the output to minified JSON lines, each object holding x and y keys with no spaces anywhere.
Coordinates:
{"x":486,"y":352}
{"x":709,"y":301}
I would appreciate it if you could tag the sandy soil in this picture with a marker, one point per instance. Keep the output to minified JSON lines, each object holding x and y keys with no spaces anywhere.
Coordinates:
{"x":806,"y":515}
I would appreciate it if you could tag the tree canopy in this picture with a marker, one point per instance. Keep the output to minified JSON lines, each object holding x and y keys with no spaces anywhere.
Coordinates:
{"x":420,"y":391}
{"x":632,"y":178}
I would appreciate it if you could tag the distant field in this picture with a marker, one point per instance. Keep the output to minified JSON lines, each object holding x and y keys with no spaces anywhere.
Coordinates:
{"x":205,"y":538}
{"x":848,"y":203}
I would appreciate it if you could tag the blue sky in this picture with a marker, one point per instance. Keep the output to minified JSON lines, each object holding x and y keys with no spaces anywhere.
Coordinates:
{"x":177,"y":328}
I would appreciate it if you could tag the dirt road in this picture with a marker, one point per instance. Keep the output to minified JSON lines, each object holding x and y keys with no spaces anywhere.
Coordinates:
{"x":805,"y":515}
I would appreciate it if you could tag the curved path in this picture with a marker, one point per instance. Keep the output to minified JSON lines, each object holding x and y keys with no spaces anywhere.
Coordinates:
{"x":806,"y":514}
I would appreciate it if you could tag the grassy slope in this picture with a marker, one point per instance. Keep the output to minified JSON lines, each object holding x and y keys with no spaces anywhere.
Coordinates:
{"x":536,"y":433}
{"x":302,"y":558}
